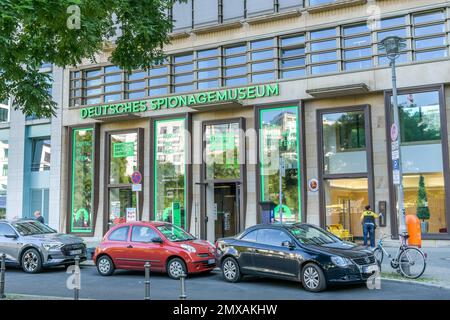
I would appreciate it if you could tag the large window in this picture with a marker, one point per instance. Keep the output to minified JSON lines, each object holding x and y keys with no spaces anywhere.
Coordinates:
{"x":357,"y":45}
{"x":182,"y":15}
{"x":344,"y":164}
{"x":422,"y":159}
{"x":323,"y":48}
{"x":345,"y":200}
{"x":429,"y":35}
{"x":4,"y":110}
{"x":344,"y":142}
{"x":123,"y":161}
{"x":82,"y":181}
{"x":279,"y":144}
{"x":222,"y":151}
{"x":41,"y":152}
{"x":263,"y":63}
{"x":169,"y":165}
{"x":39,"y":200}
{"x":235,"y":65}
{"x":208,"y":69}
{"x":183,"y":73}
{"x":293,"y":56}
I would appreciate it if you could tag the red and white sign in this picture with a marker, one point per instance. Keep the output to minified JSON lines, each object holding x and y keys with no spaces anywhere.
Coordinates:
{"x":394,"y":132}
{"x":136,"y":177}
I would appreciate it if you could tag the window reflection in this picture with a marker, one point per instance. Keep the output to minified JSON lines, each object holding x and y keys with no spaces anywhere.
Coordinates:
{"x":222,"y":151}
{"x":344,"y":142}
{"x":169,"y":169}
{"x":422,"y":159}
{"x":279,"y":141}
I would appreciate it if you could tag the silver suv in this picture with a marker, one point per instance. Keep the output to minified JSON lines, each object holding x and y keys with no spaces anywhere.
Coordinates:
{"x":33,"y":245}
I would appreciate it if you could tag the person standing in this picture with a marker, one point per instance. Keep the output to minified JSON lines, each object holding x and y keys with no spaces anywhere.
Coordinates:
{"x":368,"y":222}
{"x":38,"y":216}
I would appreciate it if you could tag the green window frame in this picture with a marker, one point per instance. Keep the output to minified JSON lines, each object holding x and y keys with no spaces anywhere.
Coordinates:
{"x":87,"y":207}
{"x":183,"y":221}
{"x":287,"y":212}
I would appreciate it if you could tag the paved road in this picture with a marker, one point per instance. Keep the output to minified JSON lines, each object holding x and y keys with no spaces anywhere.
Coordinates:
{"x":129,"y":285}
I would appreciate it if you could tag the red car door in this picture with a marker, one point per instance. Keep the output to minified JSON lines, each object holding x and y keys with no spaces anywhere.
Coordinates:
{"x":117,"y":247}
{"x":144,"y":249}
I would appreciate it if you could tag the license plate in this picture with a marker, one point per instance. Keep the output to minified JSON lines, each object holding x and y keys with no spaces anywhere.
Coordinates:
{"x":75,"y":252}
{"x":211,"y":261}
{"x":370,"y":269}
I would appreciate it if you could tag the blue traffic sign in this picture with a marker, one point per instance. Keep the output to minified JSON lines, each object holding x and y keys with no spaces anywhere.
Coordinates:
{"x":136,"y":177}
{"x":395,"y":164}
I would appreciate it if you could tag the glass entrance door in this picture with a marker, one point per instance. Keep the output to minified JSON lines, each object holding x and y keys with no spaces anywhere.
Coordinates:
{"x":222,"y":174}
{"x":226,"y":209}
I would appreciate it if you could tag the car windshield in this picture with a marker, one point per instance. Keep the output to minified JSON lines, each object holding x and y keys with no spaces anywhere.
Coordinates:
{"x":29,"y":228}
{"x":306,"y":234}
{"x":174,"y":233}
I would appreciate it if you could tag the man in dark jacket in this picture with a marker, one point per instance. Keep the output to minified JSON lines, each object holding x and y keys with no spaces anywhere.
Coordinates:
{"x":38,"y":216}
{"x":368,"y":221}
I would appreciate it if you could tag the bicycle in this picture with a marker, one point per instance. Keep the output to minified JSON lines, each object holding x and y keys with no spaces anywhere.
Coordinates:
{"x":409,"y":261}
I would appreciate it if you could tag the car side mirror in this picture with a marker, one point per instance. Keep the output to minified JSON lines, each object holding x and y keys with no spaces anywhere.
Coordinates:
{"x":157,"y":240}
{"x":288,"y":244}
{"x":11,"y":236}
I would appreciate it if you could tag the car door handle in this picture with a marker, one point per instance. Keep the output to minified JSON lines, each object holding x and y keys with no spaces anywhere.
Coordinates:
{"x":130,"y":246}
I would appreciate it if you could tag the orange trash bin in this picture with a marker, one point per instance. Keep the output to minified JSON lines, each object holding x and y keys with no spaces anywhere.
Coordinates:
{"x":414,"y":231}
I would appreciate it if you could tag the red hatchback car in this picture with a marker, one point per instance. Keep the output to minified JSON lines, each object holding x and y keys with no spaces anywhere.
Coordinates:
{"x":168,"y":248}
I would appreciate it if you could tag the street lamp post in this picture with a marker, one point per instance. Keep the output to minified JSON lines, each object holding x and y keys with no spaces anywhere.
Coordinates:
{"x":393,"y":46}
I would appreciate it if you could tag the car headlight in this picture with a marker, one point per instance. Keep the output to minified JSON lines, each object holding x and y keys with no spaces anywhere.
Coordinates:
{"x":188,"y":248}
{"x":340,"y":261}
{"x":52,"y":246}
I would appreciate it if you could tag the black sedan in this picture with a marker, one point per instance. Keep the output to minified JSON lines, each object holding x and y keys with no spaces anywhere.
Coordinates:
{"x":299,"y":252}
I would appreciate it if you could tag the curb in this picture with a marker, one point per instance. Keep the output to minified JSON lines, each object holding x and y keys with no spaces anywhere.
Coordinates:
{"x":87,"y":263}
{"x":35,"y":297}
{"x":427,"y":284}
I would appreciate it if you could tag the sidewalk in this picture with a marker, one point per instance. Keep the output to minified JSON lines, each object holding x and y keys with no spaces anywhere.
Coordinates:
{"x":437,"y":271}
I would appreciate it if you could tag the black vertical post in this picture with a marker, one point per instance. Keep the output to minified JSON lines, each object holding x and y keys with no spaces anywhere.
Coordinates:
{"x":2,"y":276}
{"x":183,"y":286}
{"x":76,"y":289}
{"x":147,"y":281}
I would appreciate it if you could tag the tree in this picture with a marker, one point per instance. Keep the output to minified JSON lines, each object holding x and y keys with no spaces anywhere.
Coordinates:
{"x":64,"y":32}
{"x":423,"y":212}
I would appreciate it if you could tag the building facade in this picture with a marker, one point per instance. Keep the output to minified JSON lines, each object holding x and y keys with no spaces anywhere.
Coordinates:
{"x":30,"y":160}
{"x":251,"y":90}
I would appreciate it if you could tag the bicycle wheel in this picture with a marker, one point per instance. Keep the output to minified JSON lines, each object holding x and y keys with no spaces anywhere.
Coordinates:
{"x":412,"y":263}
{"x":379,"y":255}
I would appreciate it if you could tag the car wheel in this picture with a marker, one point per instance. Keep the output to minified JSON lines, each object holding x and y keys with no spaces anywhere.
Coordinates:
{"x":175,"y":268}
{"x":105,"y":266}
{"x":230,"y":270}
{"x":313,"y":278}
{"x":31,"y":261}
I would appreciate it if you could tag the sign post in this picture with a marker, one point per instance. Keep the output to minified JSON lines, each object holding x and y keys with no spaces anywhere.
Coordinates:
{"x":282,"y":174}
{"x":136,"y":178}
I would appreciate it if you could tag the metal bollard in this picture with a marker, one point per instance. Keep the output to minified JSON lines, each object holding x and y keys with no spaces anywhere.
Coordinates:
{"x":147,"y":281}
{"x":183,"y":287}
{"x":76,"y":288}
{"x":2,"y":276}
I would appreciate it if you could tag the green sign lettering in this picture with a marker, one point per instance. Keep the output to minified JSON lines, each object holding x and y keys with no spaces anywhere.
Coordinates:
{"x":123,"y":149}
{"x":251,"y":92}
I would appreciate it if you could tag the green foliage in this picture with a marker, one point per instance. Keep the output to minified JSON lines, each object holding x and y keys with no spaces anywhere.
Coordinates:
{"x":414,"y":128}
{"x":423,"y":212}
{"x":33,"y":32}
